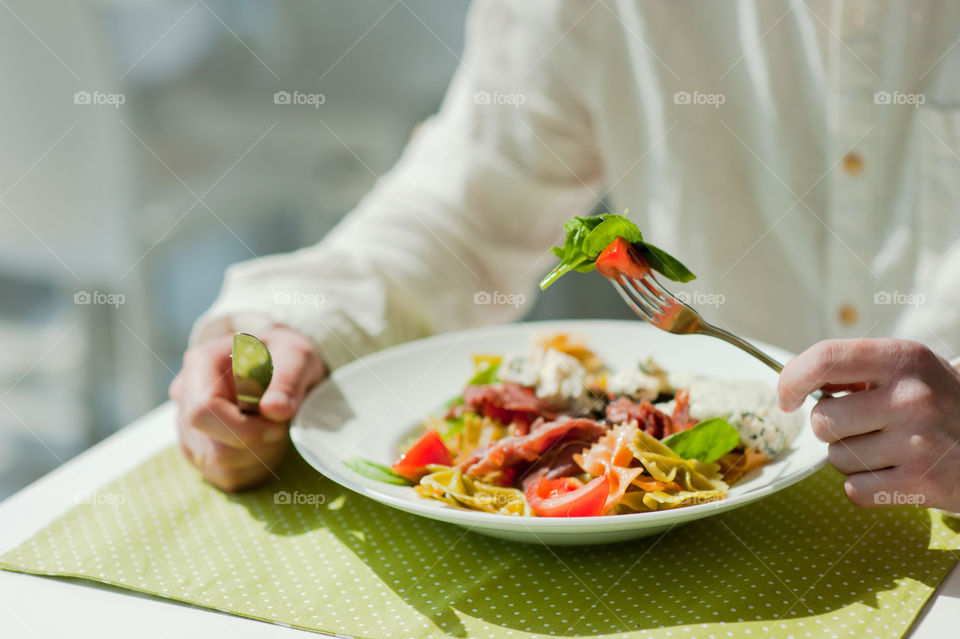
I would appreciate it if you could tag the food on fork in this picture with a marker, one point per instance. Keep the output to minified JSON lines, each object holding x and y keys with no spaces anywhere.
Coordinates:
{"x":613,"y":245}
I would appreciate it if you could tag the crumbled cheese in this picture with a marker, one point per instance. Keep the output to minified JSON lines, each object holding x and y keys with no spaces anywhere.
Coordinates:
{"x":557,"y":377}
{"x":646,"y":381}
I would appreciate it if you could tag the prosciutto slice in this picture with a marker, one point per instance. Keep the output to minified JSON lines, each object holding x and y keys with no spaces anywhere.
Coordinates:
{"x":516,"y":449}
{"x":507,"y":402}
{"x":651,"y":420}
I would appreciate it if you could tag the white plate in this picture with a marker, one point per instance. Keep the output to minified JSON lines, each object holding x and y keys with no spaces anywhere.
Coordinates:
{"x":369,"y":407}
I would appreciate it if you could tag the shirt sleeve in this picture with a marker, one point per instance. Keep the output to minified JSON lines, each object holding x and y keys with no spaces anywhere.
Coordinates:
{"x":457,"y":233}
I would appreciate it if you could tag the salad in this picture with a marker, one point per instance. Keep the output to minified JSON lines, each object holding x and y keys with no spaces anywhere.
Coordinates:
{"x":612,"y":245}
{"x":555,"y":432}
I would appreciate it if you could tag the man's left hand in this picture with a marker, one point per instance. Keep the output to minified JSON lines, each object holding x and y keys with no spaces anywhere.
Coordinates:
{"x":897,"y":434}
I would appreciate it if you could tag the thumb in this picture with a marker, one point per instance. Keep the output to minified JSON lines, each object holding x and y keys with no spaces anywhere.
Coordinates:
{"x":295,"y":369}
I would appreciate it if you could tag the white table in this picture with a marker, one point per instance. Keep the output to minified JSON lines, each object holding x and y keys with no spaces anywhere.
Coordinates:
{"x":33,"y":606}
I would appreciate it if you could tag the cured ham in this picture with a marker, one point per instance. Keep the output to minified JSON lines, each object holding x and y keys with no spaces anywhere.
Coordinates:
{"x":516,"y":449}
{"x":507,"y":402}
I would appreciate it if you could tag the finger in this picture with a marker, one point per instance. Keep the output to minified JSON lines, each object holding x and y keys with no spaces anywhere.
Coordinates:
{"x":203,"y":451}
{"x":206,"y":373}
{"x":863,"y":453}
{"x":835,"y":418}
{"x":234,"y":480}
{"x":874,"y":489}
{"x":296,"y":367}
{"x":222,"y":421}
{"x":835,"y":362}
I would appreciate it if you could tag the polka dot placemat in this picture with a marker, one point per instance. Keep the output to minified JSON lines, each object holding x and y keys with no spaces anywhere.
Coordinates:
{"x":307,"y":553}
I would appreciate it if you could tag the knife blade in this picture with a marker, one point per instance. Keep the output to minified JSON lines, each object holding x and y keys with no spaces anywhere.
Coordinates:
{"x":252,"y":371}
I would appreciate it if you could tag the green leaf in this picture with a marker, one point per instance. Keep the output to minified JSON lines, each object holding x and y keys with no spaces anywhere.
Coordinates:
{"x":708,"y":441}
{"x":660,"y":260}
{"x":586,"y":237}
{"x":612,"y":227}
{"x":454,"y":426}
{"x":376,"y":472}
{"x":485,"y":375}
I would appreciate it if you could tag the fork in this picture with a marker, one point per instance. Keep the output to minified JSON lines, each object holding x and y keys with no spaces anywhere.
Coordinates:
{"x":655,"y":304}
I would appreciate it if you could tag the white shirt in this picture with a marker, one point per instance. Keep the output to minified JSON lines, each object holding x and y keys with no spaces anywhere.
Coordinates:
{"x":803,"y":159}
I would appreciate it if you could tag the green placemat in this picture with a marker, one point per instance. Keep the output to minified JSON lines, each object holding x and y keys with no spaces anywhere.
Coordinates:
{"x":308,"y":553}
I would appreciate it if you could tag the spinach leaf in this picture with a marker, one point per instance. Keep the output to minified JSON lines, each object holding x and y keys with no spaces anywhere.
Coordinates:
{"x":612,"y":227}
{"x":376,"y":472}
{"x":586,"y":237}
{"x":660,"y":260}
{"x":708,"y":441}
{"x":485,"y":374}
{"x":454,"y":426}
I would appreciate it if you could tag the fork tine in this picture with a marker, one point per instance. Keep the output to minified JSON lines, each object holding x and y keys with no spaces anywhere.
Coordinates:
{"x":656,"y":288}
{"x":653,"y":310}
{"x":641,"y":311}
{"x":651,"y":300}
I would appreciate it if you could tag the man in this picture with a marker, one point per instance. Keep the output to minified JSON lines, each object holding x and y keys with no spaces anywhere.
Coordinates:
{"x":801,"y":158}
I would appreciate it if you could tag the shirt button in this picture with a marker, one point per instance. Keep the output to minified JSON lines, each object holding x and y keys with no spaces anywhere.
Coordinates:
{"x":848,"y":315}
{"x":853,"y":163}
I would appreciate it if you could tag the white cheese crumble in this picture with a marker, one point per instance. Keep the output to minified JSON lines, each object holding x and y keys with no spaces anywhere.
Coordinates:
{"x":646,"y":381}
{"x":557,"y":377}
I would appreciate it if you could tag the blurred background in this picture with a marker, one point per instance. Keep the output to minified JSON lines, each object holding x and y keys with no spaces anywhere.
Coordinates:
{"x":144,"y":147}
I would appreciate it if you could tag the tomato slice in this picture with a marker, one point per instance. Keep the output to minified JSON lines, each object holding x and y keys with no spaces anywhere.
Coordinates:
{"x":568,"y":497}
{"x":429,"y":449}
{"x":620,"y":258}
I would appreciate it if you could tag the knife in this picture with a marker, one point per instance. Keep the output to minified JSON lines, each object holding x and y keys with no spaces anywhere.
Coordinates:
{"x":252,"y":371}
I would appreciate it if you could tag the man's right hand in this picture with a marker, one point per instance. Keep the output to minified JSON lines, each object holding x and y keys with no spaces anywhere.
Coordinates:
{"x":233,"y":450}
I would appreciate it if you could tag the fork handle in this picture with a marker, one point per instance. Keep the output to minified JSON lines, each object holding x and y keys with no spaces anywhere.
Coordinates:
{"x":742,"y":344}
{"x":713,"y":331}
